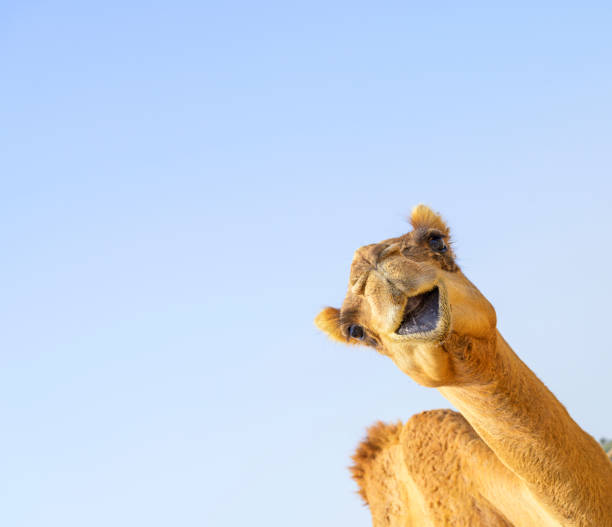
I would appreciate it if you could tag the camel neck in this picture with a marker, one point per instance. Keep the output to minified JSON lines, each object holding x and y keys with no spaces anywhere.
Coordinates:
{"x":531,"y":432}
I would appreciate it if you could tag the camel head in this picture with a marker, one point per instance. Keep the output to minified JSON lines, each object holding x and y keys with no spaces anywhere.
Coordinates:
{"x":408,"y":299}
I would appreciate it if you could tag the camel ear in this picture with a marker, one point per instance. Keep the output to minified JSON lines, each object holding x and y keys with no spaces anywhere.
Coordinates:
{"x":423,"y":217}
{"x":328,"y":321}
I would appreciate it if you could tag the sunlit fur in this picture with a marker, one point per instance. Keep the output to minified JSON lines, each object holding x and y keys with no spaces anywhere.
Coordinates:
{"x":513,"y":456}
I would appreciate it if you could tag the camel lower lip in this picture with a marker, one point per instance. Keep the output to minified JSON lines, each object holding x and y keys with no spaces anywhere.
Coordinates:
{"x":421,"y":313}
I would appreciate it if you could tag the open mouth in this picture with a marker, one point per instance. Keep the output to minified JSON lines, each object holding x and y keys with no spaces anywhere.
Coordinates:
{"x":421,"y":313}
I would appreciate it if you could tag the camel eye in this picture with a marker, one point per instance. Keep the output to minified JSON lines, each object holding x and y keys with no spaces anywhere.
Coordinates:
{"x":437,"y":244}
{"x":356,"y":332}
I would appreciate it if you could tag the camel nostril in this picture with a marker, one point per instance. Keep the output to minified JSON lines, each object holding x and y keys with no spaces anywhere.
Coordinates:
{"x":390,"y":249}
{"x":359,"y":285}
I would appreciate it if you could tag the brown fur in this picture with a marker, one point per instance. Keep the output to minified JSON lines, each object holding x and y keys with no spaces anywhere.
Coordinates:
{"x":430,"y":488}
{"x":380,"y":436}
{"x":423,"y":216}
{"x":328,"y":321}
{"x":514,"y":456}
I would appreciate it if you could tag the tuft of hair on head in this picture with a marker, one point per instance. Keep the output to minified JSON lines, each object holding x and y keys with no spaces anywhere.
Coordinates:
{"x":423,"y":217}
{"x":328,"y":321}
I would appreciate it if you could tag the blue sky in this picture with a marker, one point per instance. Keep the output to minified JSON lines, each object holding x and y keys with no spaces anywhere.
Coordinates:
{"x":183,"y":186}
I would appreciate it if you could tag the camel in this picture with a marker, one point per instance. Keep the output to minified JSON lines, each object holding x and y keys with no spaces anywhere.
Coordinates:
{"x":512,"y":455}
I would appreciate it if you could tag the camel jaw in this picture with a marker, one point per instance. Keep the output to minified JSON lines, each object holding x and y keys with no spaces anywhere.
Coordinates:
{"x":425,"y":316}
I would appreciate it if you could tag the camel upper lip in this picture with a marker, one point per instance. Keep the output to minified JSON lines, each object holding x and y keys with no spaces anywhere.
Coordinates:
{"x":421,"y":313}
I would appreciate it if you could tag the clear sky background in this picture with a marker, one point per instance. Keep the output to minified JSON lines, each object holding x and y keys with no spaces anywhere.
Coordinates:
{"x":183,"y":185}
